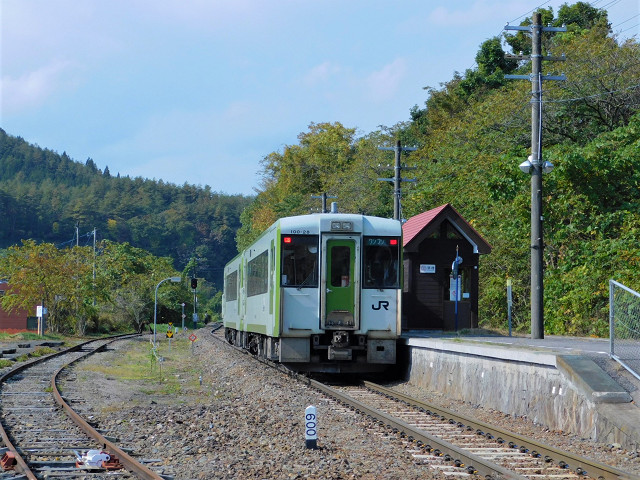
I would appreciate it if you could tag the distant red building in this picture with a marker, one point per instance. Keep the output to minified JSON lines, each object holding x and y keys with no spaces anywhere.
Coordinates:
{"x":18,"y":319}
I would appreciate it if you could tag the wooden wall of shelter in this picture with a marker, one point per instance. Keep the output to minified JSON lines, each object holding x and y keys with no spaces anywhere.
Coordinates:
{"x":18,"y":319}
{"x":430,"y":242}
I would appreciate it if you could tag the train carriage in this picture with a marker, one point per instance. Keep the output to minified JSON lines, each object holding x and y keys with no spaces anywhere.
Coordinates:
{"x":319,"y":293}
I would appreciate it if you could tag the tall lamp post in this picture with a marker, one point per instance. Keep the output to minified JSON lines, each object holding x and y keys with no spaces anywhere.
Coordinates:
{"x":535,"y":166}
{"x":155,"y":305}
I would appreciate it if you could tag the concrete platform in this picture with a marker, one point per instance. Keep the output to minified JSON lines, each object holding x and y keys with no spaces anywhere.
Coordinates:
{"x":564,"y":383}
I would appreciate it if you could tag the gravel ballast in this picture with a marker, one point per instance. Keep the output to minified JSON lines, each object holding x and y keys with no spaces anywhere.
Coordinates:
{"x":246,"y":420}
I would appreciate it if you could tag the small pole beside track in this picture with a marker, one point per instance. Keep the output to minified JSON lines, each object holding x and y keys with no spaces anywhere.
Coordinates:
{"x":311,"y":427}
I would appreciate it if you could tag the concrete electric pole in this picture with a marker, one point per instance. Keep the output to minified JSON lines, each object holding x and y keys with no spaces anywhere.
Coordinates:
{"x":397,"y":178}
{"x":535,"y":166}
{"x":324,"y":197}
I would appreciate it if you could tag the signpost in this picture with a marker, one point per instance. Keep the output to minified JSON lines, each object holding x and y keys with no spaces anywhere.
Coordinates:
{"x":193,"y":339}
{"x":509,"y":302}
{"x":41,"y":311}
{"x":170,"y":333}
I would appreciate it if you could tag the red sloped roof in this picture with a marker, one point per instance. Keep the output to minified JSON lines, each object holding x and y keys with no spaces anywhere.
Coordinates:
{"x":414,"y":225}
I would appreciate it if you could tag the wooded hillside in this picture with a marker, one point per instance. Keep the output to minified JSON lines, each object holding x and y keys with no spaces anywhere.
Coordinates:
{"x":45,"y":195}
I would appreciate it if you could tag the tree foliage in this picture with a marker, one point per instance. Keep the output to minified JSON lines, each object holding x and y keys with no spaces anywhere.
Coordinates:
{"x":121,"y":294}
{"x":472,"y":133}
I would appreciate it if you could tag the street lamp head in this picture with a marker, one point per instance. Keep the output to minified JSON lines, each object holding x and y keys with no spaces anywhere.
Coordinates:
{"x":526,"y":166}
{"x":176,"y":279}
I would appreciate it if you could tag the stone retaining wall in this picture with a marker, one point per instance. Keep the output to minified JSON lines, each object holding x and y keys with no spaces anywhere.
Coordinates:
{"x":538,"y":391}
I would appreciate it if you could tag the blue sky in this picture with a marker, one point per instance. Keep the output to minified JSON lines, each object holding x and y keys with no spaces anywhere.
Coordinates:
{"x":199,"y":91}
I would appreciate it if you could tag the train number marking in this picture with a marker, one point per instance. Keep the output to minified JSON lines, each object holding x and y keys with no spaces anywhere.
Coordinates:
{"x":381,"y":304}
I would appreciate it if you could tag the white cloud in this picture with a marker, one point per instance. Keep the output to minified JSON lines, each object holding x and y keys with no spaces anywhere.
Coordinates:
{"x":321,"y":73}
{"x":34,"y":88}
{"x":383,"y":84}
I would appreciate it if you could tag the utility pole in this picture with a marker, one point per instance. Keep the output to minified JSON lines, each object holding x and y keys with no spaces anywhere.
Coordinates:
{"x":324,"y":197}
{"x":535,"y":165}
{"x":397,"y":178}
{"x":94,"y":266}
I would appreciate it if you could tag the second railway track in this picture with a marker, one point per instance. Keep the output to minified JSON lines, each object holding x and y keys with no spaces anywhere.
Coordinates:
{"x":43,"y":437}
{"x":463,"y":440}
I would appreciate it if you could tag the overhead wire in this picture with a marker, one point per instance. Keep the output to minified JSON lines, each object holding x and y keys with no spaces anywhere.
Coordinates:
{"x":627,"y":20}
{"x":530,"y":11}
{"x":566,"y":100}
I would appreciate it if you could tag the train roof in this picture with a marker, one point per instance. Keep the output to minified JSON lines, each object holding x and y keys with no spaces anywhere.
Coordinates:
{"x":315,"y":223}
{"x":322,"y":222}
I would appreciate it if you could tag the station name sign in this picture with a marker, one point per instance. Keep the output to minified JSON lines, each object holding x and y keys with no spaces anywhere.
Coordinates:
{"x":427,"y":268}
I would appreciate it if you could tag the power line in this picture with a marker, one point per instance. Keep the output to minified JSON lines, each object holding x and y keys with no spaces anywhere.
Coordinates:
{"x":566,"y":100}
{"x":610,"y":4}
{"x":627,"y":20}
{"x":627,"y":29}
{"x":74,"y":240}
{"x":532,"y":10}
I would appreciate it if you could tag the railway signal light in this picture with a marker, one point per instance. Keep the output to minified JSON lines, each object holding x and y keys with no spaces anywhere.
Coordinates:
{"x":194,"y":283}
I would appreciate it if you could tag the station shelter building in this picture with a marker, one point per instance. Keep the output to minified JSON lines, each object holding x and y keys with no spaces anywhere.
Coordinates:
{"x":432,"y":241}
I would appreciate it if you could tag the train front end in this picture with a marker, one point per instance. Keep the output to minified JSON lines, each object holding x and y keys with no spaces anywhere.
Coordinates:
{"x":340,"y":292}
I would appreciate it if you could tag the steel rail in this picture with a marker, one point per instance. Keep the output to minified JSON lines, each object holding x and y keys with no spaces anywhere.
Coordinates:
{"x":574,"y":462}
{"x":129,"y":463}
{"x":21,"y":465}
{"x":475,"y":464}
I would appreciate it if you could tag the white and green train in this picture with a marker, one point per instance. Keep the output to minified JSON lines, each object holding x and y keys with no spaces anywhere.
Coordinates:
{"x":320,"y":293}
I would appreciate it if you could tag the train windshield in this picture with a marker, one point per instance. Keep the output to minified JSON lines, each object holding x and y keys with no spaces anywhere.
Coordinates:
{"x":299,"y":261}
{"x":381,"y":259}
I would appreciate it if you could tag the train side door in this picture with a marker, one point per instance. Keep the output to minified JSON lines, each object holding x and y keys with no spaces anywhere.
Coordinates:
{"x":341,"y":284}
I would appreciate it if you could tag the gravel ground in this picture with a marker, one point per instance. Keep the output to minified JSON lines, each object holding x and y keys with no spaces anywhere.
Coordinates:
{"x":247,"y":421}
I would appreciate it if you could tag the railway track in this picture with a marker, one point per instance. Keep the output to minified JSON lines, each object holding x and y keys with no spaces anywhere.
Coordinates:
{"x":467,"y":445}
{"x":457,"y":445}
{"x":44,"y":438}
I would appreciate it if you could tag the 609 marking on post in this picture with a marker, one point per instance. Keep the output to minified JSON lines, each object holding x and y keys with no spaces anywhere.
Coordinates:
{"x":311,"y":427}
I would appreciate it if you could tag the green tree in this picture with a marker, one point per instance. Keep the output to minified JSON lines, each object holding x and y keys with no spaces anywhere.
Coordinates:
{"x":42,"y":274}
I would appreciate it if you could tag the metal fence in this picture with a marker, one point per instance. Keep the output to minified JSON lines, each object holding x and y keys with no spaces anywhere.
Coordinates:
{"x":624,"y":326}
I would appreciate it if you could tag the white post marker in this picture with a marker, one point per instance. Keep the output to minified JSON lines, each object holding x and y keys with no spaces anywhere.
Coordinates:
{"x":311,"y":427}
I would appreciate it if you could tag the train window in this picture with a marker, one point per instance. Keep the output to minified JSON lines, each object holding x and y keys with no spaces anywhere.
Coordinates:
{"x":340,"y":266}
{"x":299,"y":261}
{"x":258,"y":275}
{"x":380,"y":266}
{"x":231,"y":286}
